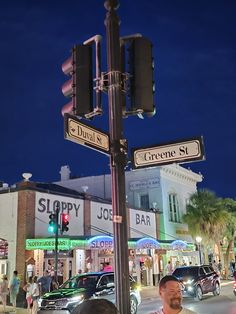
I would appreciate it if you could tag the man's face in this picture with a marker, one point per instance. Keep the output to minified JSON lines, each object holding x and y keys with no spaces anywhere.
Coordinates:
{"x":171,"y":294}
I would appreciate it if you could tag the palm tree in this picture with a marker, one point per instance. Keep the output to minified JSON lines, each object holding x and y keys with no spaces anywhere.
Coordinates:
{"x":230,"y":232}
{"x":205,"y":216}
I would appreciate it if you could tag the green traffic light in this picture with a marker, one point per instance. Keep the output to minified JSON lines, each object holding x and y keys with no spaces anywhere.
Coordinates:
{"x":52,"y":228}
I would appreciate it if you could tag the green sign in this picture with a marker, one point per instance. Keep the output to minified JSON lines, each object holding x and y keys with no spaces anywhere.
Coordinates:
{"x":47,"y":244}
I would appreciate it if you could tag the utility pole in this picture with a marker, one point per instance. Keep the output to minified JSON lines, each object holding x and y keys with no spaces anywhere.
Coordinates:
{"x":117,"y":158}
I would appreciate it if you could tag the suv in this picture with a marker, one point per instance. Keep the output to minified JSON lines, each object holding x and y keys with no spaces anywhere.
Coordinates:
{"x":85,"y":286}
{"x":198,"y":280}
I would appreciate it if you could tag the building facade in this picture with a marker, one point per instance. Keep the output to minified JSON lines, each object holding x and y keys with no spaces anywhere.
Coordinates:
{"x":28,"y":246}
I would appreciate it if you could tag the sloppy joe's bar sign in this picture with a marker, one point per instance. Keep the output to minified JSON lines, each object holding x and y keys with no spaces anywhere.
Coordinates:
{"x":45,"y":204}
{"x":141,"y":222}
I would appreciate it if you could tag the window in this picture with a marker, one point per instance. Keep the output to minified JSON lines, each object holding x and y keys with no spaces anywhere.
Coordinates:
{"x":144,"y":201}
{"x":173,"y":208}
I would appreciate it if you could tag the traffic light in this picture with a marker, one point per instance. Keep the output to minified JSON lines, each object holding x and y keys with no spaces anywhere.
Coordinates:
{"x":64,"y":222}
{"x":80,"y":86}
{"x":53,"y":224}
{"x":141,"y":68}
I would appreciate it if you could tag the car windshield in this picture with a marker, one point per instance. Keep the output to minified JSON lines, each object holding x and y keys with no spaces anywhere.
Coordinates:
{"x":86,"y":282}
{"x":185,"y":271}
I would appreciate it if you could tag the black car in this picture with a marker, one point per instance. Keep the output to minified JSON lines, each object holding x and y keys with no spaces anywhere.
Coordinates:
{"x":82,"y":287}
{"x":198,"y":280}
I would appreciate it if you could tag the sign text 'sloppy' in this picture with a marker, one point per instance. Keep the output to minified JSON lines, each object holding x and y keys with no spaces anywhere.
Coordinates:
{"x":49,"y":206}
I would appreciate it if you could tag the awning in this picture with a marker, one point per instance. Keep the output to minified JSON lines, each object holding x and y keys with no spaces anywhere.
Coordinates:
{"x":103,"y":242}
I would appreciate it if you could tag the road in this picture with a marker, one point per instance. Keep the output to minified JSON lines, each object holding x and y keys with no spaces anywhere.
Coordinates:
{"x":223,"y":304}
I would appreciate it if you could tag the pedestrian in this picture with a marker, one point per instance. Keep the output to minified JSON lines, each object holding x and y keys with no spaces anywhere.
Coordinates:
{"x":14,"y":286}
{"x":219,"y":266}
{"x":4,"y":291}
{"x":168,"y":268}
{"x":96,"y":306}
{"x":35,"y":295}
{"x":45,"y":282}
{"x":107,"y":267}
{"x":171,"y":297}
{"x":28,"y":289}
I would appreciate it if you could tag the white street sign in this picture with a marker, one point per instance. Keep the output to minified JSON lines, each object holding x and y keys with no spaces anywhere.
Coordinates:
{"x":186,"y":151}
{"x":85,"y":135}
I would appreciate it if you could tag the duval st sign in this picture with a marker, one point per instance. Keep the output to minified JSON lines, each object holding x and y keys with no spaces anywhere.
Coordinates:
{"x":174,"y":152}
{"x":83,"y":134}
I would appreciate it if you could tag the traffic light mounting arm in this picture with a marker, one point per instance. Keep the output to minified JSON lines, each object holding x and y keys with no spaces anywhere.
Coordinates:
{"x":98,"y":107}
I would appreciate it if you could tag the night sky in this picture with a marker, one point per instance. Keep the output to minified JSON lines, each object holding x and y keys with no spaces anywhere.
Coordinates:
{"x":194,"y":47}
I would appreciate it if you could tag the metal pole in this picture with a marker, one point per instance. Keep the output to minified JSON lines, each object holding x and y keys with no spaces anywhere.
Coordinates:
{"x":117,"y":159}
{"x":56,"y":243}
{"x":200,"y":255}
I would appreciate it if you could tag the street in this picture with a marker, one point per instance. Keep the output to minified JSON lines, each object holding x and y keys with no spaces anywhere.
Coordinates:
{"x":223,"y":304}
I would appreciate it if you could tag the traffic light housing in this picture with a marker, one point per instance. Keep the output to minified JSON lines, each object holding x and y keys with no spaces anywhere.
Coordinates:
{"x":53,"y":224}
{"x":80,"y":86}
{"x":64,"y":222}
{"x":141,"y":67}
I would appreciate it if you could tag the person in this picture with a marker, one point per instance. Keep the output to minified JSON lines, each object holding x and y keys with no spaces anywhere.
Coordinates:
{"x":95,"y":306}
{"x":45,"y":282}
{"x":14,"y":286}
{"x":28,"y":289}
{"x":4,"y":291}
{"x":219,"y":266}
{"x":234,"y":275}
{"x":168,"y":268}
{"x":35,"y":295}
{"x":171,"y":296}
{"x":214,"y":266}
{"x":107,"y":267}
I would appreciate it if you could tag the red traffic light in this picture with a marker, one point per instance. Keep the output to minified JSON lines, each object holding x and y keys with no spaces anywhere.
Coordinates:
{"x":64,"y":222}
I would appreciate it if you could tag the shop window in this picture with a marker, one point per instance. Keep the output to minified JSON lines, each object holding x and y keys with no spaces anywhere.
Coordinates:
{"x":174,"y":214}
{"x":144,"y":201}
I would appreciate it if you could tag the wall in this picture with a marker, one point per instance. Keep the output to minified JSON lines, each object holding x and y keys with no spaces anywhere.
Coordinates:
{"x":8,"y":225}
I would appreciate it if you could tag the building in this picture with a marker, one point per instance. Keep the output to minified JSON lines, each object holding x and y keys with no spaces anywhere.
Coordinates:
{"x":27,"y":245}
{"x":164,"y":190}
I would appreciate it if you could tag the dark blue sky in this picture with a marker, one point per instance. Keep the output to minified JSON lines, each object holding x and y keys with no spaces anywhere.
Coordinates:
{"x":195,"y":75}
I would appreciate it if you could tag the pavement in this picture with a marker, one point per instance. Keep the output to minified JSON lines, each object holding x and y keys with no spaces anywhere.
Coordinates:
{"x":147,"y":292}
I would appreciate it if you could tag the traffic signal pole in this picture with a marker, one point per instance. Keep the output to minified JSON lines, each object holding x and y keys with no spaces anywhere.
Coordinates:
{"x":56,"y":243}
{"x":117,"y":158}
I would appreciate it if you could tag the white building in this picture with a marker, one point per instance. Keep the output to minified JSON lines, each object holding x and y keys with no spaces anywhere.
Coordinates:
{"x":164,"y":189}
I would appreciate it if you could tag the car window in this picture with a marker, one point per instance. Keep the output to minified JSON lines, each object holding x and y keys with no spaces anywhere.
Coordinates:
{"x":103,"y":281}
{"x":81,"y":282}
{"x":201,"y":271}
{"x":207,"y":269}
{"x":186,"y":271}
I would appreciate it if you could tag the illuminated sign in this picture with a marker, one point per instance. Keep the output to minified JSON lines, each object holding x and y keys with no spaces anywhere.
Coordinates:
{"x":100,"y":243}
{"x":147,"y":243}
{"x":47,"y":244}
{"x":178,"y":245}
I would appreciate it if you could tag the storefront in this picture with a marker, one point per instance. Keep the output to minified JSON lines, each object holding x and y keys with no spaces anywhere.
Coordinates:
{"x":93,"y":253}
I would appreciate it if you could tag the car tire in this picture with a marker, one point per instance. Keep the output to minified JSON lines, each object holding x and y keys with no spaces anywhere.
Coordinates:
{"x":133,"y":305}
{"x":198,"y":294}
{"x":216,"y":290}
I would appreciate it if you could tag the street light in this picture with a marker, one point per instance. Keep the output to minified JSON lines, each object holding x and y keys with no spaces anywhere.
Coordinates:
{"x":199,"y":240}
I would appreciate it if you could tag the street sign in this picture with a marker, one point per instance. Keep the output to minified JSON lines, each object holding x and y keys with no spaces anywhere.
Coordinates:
{"x":174,"y":152}
{"x":83,"y":134}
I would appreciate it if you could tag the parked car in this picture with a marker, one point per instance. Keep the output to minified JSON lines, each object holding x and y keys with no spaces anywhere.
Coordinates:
{"x":198,"y":280}
{"x":86,"y":286}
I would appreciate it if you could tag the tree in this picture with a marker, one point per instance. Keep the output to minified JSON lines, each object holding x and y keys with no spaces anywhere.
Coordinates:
{"x":206,"y":217}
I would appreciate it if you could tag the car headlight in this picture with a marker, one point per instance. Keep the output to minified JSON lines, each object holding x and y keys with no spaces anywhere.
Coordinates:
{"x":76,"y":299}
{"x":189,"y":282}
